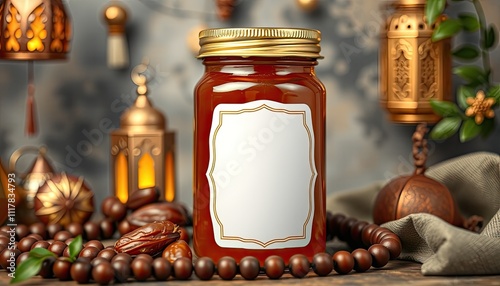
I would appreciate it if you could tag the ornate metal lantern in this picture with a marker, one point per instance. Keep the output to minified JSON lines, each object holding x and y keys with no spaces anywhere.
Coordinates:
{"x":40,"y":171}
{"x":143,"y":153}
{"x":33,"y":30}
{"x":413,"y":69}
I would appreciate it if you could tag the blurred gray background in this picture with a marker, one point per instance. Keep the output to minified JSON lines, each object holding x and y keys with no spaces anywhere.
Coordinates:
{"x":75,"y":96}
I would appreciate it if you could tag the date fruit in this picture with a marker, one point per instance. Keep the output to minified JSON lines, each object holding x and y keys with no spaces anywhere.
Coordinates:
{"x":143,"y":197}
{"x":184,"y":234}
{"x":149,"y":239}
{"x":177,"y":249}
{"x":158,"y":212}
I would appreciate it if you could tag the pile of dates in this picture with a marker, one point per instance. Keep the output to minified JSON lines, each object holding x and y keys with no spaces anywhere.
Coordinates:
{"x":143,"y":208}
{"x":149,"y":226}
{"x":159,"y":237}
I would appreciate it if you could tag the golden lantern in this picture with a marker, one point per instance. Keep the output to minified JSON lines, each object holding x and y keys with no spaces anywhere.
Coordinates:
{"x":9,"y":195}
{"x":33,"y":30}
{"x":31,"y":180}
{"x":143,"y":153}
{"x":413,"y":69}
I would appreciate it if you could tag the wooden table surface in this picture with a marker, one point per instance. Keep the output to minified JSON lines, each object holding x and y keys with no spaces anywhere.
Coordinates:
{"x":395,"y":273}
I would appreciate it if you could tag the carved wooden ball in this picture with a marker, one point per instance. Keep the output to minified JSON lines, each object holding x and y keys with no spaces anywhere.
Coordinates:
{"x":407,"y":195}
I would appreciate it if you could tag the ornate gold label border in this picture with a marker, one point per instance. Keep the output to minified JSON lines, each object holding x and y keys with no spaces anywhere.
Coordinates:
{"x":312,"y":180}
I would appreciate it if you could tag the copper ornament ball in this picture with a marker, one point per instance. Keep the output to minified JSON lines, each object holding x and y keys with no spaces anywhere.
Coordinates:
{"x":418,"y":193}
{"x":406,"y":195}
{"x":64,"y":199}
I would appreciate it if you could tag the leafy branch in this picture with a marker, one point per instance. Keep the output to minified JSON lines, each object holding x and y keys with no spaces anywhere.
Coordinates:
{"x":478,"y":96}
{"x":32,"y":265}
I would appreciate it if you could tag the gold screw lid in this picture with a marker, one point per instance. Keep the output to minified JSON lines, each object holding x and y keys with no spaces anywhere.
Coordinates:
{"x":260,"y":42}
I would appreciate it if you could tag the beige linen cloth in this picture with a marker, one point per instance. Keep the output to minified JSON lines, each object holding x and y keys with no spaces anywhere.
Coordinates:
{"x":474,"y":181}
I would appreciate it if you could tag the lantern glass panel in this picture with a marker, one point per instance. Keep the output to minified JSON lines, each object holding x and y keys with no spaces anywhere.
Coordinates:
{"x":146,"y":171}
{"x":37,"y":31}
{"x":121,"y":177}
{"x":169,"y":177}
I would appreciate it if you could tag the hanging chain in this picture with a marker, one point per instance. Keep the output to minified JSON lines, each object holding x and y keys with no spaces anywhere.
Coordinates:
{"x":420,"y":149}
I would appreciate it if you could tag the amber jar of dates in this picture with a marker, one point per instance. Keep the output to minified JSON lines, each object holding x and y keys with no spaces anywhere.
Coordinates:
{"x":259,"y":145}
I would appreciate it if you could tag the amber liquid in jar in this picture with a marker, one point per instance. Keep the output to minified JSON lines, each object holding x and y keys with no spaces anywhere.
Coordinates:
{"x":236,"y":80}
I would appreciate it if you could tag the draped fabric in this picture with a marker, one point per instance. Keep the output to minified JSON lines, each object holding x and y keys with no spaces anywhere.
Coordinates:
{"x":443,"y":249}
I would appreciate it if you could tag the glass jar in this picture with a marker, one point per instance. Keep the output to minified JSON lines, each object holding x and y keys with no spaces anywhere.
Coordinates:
{"x":259,"y":145}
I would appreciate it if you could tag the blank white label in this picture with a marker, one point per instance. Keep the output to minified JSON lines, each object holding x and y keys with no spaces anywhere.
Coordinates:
{"x":261,"y":175}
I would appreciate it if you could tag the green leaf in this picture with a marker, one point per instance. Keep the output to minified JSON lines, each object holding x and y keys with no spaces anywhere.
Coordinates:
{"x":75,"y":247}
{"x":462,"y":94}
{"x":469,"y":130}
{"x":472,"y":74}
{"x":41,"y":253}
{"x":469,"y":22}
{"x":445,"y":128}
{"x":27,"y":269}
{"x":488,"y":127}
{"x":473,"y":85}
{"x":495,"y":93}
{"x":447,"y":28}
{"x":444,"y":108}
{"x":466,"y":52}
{"x":433,"y":8}
{"x":489,"y":37}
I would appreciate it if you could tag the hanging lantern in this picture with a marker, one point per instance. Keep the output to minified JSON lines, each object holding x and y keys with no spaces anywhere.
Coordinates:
{"x":33,"y":30}
{"x":413,"y":69}
{"x":143,"y":153}
{"x":116,"y":16}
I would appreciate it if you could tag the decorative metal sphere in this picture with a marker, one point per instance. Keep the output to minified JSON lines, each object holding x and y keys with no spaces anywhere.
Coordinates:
{"x":115,"y":14}
{"x":64,"y":199}
{"x":415,"y":194}
{"x":418,"y":193}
